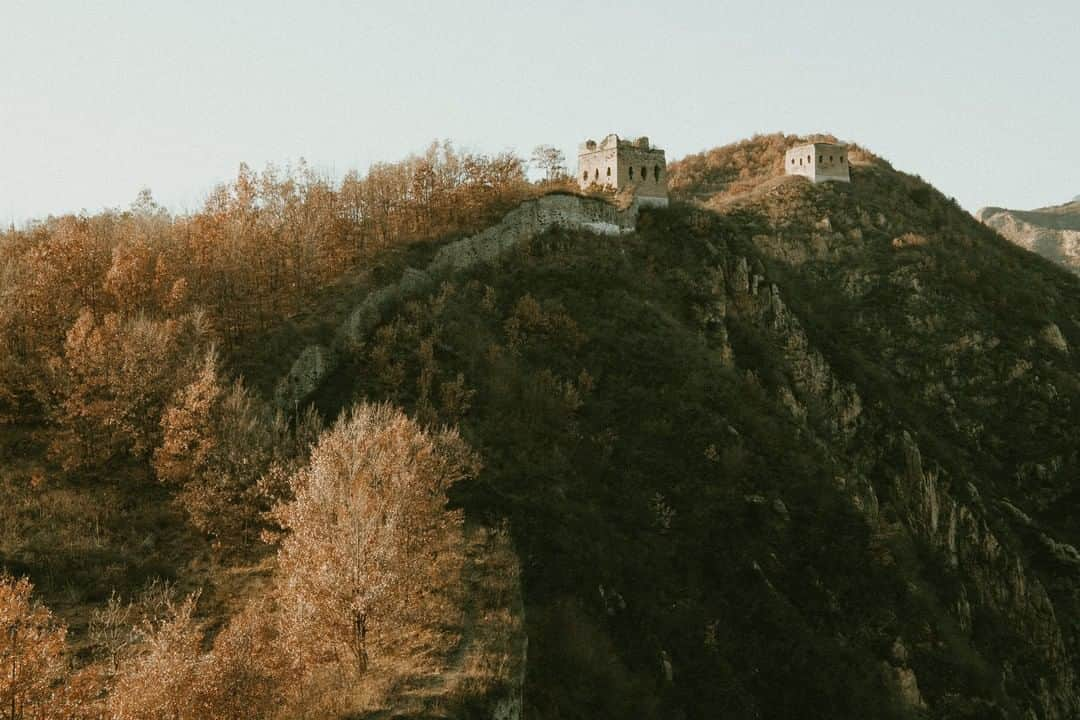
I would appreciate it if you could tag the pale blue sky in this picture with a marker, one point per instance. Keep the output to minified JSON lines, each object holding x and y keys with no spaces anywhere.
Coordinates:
{"x":99,"y":99}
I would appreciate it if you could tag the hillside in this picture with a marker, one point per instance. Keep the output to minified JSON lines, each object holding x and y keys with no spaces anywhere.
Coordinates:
{"x":799,"y":451}
{"x":779,"y":451}
{"x":1053,"y":232}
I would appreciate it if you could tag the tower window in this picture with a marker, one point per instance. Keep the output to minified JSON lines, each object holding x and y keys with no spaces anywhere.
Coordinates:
{"x":609,"y":171}
{"x":596,"y":174}
{"x":585,"y":176}
{"x":631,"y":172}
{"x":656,"y":173}
{"x":809,"y":159}
{"x":644,"y":173}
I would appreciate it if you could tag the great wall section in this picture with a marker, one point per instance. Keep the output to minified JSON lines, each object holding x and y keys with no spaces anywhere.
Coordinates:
{"x":528,"y":220}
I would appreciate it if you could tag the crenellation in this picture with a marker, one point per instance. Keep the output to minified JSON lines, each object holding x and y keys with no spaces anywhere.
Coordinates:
{"x":624,"y":165}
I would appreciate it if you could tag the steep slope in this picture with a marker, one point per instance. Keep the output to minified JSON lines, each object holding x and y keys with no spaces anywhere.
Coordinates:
{"x":1053,"y":232}
{"x":790,"y":451}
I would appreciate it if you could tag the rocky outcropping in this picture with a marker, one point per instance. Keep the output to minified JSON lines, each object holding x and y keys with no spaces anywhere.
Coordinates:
{"x":528,"y":220}
{"x":994,"y":579}
{"x":1053,"y":232}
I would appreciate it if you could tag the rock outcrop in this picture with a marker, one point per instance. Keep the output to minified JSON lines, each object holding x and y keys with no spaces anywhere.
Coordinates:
{"x":1053,"y":232}
{"x":994,"y":579}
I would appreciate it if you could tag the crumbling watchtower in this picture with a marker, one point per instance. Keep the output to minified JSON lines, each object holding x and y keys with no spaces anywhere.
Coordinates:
{"x":624,"y":165}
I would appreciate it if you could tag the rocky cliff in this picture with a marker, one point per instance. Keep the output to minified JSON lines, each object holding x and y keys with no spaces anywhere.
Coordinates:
{"x":1053,"y":232}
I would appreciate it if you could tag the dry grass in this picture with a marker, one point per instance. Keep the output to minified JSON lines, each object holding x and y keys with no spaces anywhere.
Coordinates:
{"x":81,"y":540}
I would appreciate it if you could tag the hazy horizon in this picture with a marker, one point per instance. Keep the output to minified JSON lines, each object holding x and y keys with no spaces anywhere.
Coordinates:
{"x":101,"y":101}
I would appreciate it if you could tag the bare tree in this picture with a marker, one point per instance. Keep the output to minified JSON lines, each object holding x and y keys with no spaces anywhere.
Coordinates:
{"x":111,"y":630}
{"x":551,"y":160}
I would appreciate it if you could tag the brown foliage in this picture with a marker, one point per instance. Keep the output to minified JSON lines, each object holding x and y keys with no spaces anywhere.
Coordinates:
{"x":173,"y":678}
{"x":370,"y":541}
{"x":217,"y":444}
{"x":112,"y":381}
{"x":256,"y":252}
{"x":34,"y":682}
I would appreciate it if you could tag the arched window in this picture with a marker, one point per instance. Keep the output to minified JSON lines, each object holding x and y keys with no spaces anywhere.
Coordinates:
{"x":596,"y":175}
{"x":800,"y":162}
{"x":631,"y":172}
{"x":656,"y":173}
{"x":609,"y":171}
{"x":585,"y":176}
{"x":809,"y":159}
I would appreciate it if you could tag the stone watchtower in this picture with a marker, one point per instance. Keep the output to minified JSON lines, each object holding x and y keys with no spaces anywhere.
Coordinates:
{"x":624,"y":165}
{"x":819,"y":161}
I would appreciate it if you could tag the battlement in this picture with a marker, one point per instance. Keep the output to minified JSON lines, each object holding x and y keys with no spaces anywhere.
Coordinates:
{"x":624,"y":165}
{"x":614,"y":141}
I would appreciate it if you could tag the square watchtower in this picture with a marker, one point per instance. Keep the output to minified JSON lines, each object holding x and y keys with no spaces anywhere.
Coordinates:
{"x":819,"y":161}
{"x":624,"y":165}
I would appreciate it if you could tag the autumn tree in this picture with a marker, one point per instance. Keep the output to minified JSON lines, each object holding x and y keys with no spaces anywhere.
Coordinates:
{"x":171,"y":676}
{"x":370,"y":542}
{"x":31,"y":651}
{"x":218,"y":443}
{"x":111,"y":384}
{"x":162,"y":680}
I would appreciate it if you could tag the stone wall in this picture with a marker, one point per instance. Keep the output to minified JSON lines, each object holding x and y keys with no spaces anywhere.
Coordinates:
{"x":624,"y":165}
{"x":632,"y":161}
{"x":526,"y":221}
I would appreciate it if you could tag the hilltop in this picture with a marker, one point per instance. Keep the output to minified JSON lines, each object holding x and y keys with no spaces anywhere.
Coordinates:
{"x":784,"y":450}
{"x":1053,"y":232}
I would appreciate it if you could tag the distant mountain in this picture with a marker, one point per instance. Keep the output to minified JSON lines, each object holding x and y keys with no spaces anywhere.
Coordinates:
{"x":1053,"y":232}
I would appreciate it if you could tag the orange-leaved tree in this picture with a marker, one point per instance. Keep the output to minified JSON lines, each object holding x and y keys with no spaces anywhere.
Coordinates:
{"x":371,"y":547}
{"x":31,"y":652}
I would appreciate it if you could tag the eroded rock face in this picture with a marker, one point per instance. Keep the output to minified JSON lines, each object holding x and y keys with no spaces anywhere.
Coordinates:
{"x":304,"y":377}
{"x":812,"y":377}
{"x":995,"y":583}
{"x":994,"y":578}
{"x":1053,"y":232}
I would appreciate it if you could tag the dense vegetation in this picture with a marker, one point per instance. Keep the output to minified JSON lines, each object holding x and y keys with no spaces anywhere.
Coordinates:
{"x":725,"y":449}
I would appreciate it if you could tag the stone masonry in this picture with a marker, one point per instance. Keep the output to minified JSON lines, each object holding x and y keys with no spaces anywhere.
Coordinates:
{"x":625,"y":165}
{"x":819,"y":161}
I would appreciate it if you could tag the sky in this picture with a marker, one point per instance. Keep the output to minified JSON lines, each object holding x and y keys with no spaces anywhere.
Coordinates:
{"x":100,"y":99}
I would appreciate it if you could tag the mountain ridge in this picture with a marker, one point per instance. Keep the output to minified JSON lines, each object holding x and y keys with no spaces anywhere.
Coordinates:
{"x":1052,"y":231}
